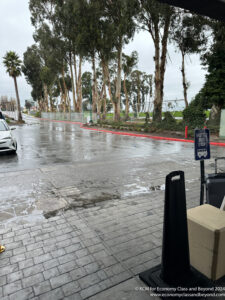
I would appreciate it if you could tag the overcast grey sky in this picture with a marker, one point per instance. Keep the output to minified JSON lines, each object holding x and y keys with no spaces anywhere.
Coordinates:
{"x":16,"y":35}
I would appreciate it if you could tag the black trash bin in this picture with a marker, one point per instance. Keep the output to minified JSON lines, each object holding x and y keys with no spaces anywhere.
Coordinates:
{"x":215,"y":187}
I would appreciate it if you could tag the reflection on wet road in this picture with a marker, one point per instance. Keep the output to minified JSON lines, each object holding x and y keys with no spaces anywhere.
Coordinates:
{"x":53,"y":143}
{"x":60,"y":164}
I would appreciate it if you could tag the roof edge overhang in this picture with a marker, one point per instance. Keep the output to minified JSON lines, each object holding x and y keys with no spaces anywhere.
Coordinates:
{"x":214,"y":9}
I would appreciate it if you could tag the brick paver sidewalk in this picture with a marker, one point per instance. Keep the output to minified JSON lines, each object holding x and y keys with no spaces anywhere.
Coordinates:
{"x":79,"y":254}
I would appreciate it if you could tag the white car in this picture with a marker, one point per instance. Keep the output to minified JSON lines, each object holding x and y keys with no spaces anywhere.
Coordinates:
{"x":7,"y":141}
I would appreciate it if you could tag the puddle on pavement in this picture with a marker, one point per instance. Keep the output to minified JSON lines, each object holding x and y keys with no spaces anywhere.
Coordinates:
{"x":157,"y":187}
{"x":135,"y":189}
{"x":138,"y":190}
{"x":34,"y":217}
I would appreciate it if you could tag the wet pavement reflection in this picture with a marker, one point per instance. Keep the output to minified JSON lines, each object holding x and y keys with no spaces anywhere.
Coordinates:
{"x":61,"y":165}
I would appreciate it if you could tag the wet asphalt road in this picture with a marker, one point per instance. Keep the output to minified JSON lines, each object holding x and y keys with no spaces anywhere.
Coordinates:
{"x":61,"y":165}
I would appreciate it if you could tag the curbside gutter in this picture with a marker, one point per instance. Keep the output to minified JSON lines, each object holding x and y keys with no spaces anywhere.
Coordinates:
{"x":218,"y":144}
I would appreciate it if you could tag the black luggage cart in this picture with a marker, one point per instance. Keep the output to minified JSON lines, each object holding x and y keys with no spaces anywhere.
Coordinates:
{"x":215,"y":187}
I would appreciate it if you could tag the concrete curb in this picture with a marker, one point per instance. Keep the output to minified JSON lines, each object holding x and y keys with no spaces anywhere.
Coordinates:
{"x":134,"y":134}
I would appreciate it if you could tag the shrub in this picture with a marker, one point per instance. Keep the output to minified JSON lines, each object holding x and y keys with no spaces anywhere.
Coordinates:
{"x":169,"y":122}
{"x":168,"y":118}
{"x":38,"y":114}
{"x":194,"y":115}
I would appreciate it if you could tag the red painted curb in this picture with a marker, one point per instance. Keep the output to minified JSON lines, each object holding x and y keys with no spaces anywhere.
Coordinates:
{"x":140,"y":135}
{"x":217,"y":144}
{"x":134,"y":134}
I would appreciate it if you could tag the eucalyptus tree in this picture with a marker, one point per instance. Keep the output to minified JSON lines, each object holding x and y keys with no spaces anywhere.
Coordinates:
{"x":48,"y":78}
{"x":136,"y":87}
{"x":52,"y":51}
{"x":66,"y":26}
{"x":156,"y":18}
{"x":189,"y":37}
{"x":28,"y":105}
{"x":105,"y":26}
{"x":121,"y":14}
{"x":42,"y":10}
{"x":105,"y":47}
{"x":146,"y":91}
{"x":141,"y":89}
{"x":86,"y":83}
{"x":92,"y":29}
{"x":52,"y":46}
{"x":32,"y":66}
{"x":95,"y":41}
{"x":13,"y":68}
{"x":87,"y":15}
{"x":129,"y":62}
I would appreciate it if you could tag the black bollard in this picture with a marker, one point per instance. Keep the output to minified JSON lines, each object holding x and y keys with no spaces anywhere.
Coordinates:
{"x":175,"y":270}
{"x":175,"y":267}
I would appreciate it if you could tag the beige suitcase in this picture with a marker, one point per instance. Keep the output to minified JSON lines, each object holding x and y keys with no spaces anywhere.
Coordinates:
{"x":206,"y":231}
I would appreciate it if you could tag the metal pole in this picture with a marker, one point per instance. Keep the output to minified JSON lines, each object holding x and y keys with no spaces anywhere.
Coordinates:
{"x":202,"y":168}
{"x":186,"y":132}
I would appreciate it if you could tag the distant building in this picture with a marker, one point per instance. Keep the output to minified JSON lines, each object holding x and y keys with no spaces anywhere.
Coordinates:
{"x":7,"y":104}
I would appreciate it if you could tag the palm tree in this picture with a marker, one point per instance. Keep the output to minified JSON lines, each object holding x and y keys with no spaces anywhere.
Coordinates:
{"x":13,"y":68}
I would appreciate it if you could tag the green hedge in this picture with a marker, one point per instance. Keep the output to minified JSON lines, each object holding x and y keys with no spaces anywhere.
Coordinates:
{"x":194,"y":116}
{"x":38,"y":114}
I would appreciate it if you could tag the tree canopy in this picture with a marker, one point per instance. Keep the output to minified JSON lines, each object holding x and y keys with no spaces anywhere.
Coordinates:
{"x":69,"y":33}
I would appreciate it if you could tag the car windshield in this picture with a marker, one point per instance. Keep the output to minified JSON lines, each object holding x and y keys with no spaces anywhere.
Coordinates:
{"x":3,"y":127}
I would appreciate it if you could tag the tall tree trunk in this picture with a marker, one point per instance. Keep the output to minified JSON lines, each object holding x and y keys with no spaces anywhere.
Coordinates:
{"x":51,"y":100}
{"x":65,"y":90}
{"x":94,"y":89}
{"x":157,"y":112}
{"x":138,"y":94}
{"x":79,"y":86}
{"x":41,"y":105}
{"x":160,"y":65}
{"x":104,"y":103}
{"x":103,"y":92}
{"x":19,"y":114}
{"x":118,"y":83}
{"x":100,"y":100}
{"x":62,"y":105}
{"x":76,"y":78}
{"x":214,"y":117}
{"x":164,"y":53}
{"x":185,"y":86}
{"x":68,"y":101}
{"x":72,"y":81}
{"x":46,"y":97}
{"x":108,"y":81}
{"x":99,"y":108}
{"x":127,"y":99}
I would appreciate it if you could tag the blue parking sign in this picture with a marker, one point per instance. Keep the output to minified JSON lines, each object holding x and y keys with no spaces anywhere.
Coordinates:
{"x":202,"y":145}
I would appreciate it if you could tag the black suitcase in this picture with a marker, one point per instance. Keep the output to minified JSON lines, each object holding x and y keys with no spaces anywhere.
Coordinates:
{"x":215,"y":187}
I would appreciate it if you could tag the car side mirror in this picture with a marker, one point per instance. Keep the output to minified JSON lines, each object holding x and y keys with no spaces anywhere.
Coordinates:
{"x":12,"y":128}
